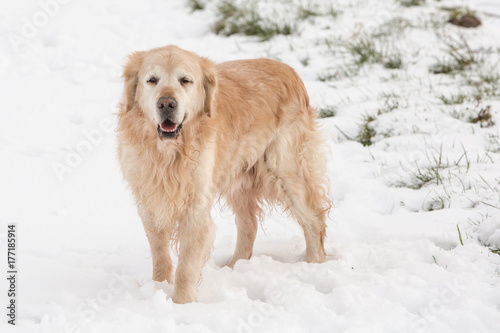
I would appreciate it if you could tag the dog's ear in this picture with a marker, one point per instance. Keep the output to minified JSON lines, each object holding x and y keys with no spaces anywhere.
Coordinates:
{"x":210,"y":85}
{"x":130,"y":78}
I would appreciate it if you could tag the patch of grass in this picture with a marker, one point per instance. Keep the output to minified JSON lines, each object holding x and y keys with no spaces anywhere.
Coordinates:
{"x":305,"y":61}
{"x":332,"y":12}
{"x":339,"y":73}
{"x":411,"y":3}
{"x":327,"y":112}
{"x":366,"y":131}
{"x":461,"y":53}
{"x":485,"y":90}
{"x":227,"y":10}
{"x":443,"y":67}
{"x":308,"y":11}
{"x":493,"y":146}
{"x":485,"y":81}
{"x":463,"y":113}
{"x":444,"y":177}
{"x":365,"y":51}
{"x":472,"y":65}
{"x":423,"y":176}
{"x":437,"y":202}
{"x":484,"y":117}
{"x":489,"y":76}
{"x":391,"y":103}
{"x":196,"y":4}
{"x":429,"y":174}
{"x":456,"y":12}
{"x":460,"y":57}
{"x":453,"y":99}
{"x":235,"y":19}
{"x":395,"y":26}
{"x":333,"y":45}
{"x":393,"y":61}
{"x":327,"y":76}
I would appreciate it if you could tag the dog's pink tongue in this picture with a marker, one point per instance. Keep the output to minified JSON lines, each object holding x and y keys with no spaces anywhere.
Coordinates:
{"x":168,"y":126}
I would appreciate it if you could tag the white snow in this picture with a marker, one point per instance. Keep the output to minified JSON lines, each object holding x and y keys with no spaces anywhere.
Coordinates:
{"x":396,"y":262}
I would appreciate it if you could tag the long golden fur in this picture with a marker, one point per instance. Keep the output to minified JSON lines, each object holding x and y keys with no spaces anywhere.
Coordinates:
{"x":241,"y":130}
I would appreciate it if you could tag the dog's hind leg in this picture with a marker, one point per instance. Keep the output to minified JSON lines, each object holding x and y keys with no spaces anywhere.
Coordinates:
{"x":311,"y":218}
{"x":245,"y":206}
{"x":297,"y":163}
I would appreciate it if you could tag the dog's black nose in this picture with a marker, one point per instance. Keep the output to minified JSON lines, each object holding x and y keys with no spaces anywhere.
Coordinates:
{"x":168,"y":104}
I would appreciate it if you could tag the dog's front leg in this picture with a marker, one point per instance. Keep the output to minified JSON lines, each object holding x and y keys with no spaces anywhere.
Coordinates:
{"x":195,"y":237}
{"x":159,"y":240}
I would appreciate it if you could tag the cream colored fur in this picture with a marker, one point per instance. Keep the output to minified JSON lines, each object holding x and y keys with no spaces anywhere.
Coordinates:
{"x":249,"y":135}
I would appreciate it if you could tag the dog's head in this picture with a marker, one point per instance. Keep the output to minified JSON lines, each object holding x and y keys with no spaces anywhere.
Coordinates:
{"x":170,"y":87}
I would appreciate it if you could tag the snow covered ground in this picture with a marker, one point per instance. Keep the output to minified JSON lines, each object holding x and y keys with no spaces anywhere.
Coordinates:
{"x":416,"y":222}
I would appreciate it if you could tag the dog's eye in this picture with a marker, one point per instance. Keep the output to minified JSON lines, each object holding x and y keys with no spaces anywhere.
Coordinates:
{"x":185,"y":80}
{"x":153,"y":80}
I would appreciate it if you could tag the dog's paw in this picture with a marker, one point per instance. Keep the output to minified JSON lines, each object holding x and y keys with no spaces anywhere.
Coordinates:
{"x":182,"y":297}
{"x":318,"y":257}
{"x":184,"y":292}
{"x":164,"y":275}
{"x":231,"y":263}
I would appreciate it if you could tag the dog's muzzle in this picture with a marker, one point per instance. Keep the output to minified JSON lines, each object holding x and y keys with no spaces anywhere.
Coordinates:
{"x":167,"y":109}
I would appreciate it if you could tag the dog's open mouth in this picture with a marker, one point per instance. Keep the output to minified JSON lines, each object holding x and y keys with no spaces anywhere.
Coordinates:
{"x":169,"y":129}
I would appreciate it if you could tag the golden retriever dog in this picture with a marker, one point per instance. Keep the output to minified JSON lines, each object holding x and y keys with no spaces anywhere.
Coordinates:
{"x":191,"y":131}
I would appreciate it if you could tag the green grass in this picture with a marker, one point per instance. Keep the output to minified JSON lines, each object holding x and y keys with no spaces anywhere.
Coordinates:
{"x":364,"y":51}
{"x":453,"y":99}
{"x":326,"y":112}
{"x":485,"y":82}
{"x":437,"y":202}
{"x":470,"y":65}
{"x":391,"y":103}
{"x":233,"y":19}
{"x":366,"y":131}
{"x":490,"y":75}
{"x":196,"y":4}
{"x":460,"y":57}
{"x":462,"y":54}
{"x":395,"y":26}
{"x":424,"y":176}
{"x":428,"y":174}
{"x":444,"y":67}
{"x":482,"y":91}
{"x":411,"y":3}
{"x":339,"y":72}
{"x":327,"y":76}
{"x":457,"y":12}
{"x":309,"y":11}
{"x":443,"y":179}
{"x":393,"y":61}
{"x":464,"y":113}
{"x":306,"y":13}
